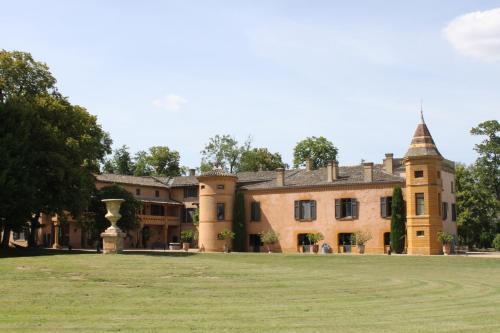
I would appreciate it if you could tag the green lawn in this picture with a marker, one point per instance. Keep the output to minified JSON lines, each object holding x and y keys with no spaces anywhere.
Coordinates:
{"x":248,"y":293}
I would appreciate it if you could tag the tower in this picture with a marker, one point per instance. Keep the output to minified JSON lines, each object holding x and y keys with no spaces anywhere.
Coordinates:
{"x":217,"y":191}
{"x":423,"y":193}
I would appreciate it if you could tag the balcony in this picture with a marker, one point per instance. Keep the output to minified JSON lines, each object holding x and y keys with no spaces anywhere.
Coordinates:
{"x":160,"y":220}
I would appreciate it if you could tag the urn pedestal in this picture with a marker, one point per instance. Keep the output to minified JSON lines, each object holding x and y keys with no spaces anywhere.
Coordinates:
{"x":112,"y":238}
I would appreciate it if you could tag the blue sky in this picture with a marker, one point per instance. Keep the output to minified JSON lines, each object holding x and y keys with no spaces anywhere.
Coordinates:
{"x":178,"y":72}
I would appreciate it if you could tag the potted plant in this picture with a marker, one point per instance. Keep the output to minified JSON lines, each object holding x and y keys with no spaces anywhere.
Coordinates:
{"x":269,"y":238}
{"x":445,"y":239}
{"x":360,"y":239}
{"x":314,"y":238}
{"x":186,"y":238}
{"x":227,"y":236}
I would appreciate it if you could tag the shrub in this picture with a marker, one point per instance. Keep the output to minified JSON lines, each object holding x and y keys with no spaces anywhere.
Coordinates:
{"x":314,"y":238}
{"x":269,"y":237}
{"x":225,"y":234}
{"x":187,"y":236}
{"x":496,"y":242}
{"x":445,"y":238}
{"x":361,"y":237}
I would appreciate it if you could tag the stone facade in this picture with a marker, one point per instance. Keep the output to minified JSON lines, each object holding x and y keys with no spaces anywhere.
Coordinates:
{"x":327,"y":197}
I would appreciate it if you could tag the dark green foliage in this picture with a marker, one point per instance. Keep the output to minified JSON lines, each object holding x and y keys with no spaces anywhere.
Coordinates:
{"x":121,"y":163}
{"x":240,"y":235}
{"x":318,"y":149}
{"x":223,"y":151}
{"x":94,"y":220}
{"x":260,"y":159}
{"x":398,"y":227}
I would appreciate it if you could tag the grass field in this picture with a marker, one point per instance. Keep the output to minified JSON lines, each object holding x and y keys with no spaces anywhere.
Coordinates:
{"x":248,"y":293}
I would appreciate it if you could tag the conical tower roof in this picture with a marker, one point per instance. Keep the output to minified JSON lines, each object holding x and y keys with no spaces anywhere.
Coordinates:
{"x":422,"y":143}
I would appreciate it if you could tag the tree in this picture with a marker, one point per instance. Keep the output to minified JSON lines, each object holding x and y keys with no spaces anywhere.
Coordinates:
{"x":121,"y":163}
{"x":94,"y":220}
{"x":260,"y":159}
{"x":163,"y":161}
{"x":61,"y":145}
{"x":240,"y":235}
{"x":398,"y":225}
{"x":22,"y":76}
{"x":223,"y":151}
{"x":318,"y":149}
{"x":477,"y":208}
{"x":141,"y":166}
{"x":488,"y":163}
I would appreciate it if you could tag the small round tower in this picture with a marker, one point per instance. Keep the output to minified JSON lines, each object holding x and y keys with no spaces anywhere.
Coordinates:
{"x":217,"y":191}
{"x":423,"y":193}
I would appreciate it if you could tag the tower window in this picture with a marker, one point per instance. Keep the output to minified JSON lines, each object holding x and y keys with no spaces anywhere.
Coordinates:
{"x":419,"y":203}
{"x":157,"y":193}
{"x":445,"y":211}
{"x":220,"y":187}
{"x":221,"y":212}
{"x":420,"y":233}
{"x":137,"y":191}
{"x":419,"y":174}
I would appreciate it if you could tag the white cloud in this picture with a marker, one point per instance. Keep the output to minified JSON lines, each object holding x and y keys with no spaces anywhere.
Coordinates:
{"x":170,"y":103}
{"x":476,"y":34}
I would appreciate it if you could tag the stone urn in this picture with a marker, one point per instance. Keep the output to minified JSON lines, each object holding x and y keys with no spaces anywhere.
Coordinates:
{"x":112,"y":238}
{"x":446,"y":249}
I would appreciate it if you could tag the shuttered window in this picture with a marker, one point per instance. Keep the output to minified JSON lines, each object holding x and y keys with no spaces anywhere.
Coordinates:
{"x":453,"y":212}
{"x":255,"y":212}
{"x":386,"y":206}
{"x":445,"y":210}
{"x":346,"y":208}
{"x":305,"y":210}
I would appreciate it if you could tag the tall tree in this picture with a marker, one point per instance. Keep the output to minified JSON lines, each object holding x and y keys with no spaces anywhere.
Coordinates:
{"x":223,"y":151}
{"x":94,"y":220}
{"x":164,"y":161}
{"x":62,"y":144}
{"x":488,"y":163}
{"x":318,"y":149}
{"x":141,"y":164}
{"x":121,"y":163}
{"x":260,"y":159}
{"x":239,"y":229}
{"x":398,"y":225}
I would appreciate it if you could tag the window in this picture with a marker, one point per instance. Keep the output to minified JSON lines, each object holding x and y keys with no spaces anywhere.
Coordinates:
{"x":346,"y":208}
{"x":419,"y":174}
{"x":137,"y":191}
{"x":191,"y":192}
{"x":157,"y":193}
{"x":439,"y":174}
{"x":255,"y":242}
{"x":255,"y":211}
{"x":189,"y":215}
{"x":445,"y":211}
{"x":420,"y":233}
{"x":419,"y":203}
{"x":221,"y":212}
{"x":305,"y":210}
{"x":220,"y":187}
{"x":18,"y":235}
{"x":302,"y":239}
{"x":453,"y":212}
{"x":202,"y":187}
{"x":387,"y":238}
{"x":452,"y":186}
{"x":157,"y":210}
{"x":386,"y":206}
{"x":346,"y":239}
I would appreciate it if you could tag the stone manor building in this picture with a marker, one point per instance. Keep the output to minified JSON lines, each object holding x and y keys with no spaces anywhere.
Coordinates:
{"x":335,"y":200}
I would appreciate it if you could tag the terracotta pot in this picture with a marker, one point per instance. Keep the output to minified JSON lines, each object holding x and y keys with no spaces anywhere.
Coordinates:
{"x":185,"y":246}
{"x":315,"y":248}
{"x":361,"y":249}
{"x":446,"y":249}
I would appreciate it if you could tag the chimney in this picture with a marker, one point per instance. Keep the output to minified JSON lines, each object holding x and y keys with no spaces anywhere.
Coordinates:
{"x":280,"y":177}
{"x":335,"y":170}
{"x":308,"y":164}
{"x":192,"y":172}
{"x":388,"y":163}
{"x":368,"y":172}
{"x":332,"y":171}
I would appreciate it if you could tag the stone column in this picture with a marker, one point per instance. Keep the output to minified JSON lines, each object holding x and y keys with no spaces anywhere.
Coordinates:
{"x":56,"y":236}
{"x":112,"y":238}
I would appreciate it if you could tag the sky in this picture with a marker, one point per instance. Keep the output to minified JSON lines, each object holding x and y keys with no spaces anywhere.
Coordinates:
{"x":176,"y":73}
